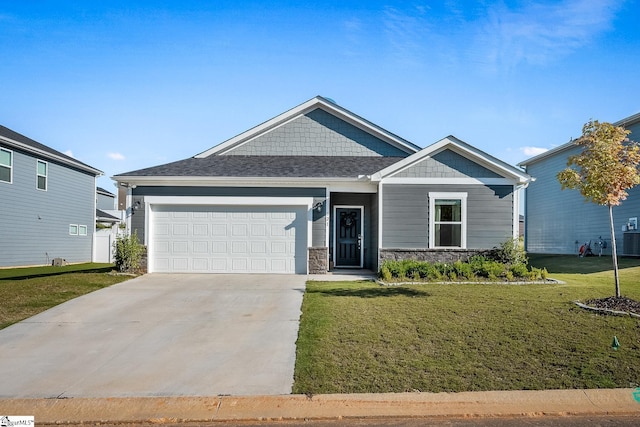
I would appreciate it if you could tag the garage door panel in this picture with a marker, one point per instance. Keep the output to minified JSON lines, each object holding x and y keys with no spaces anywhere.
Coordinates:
{"x":223,"y":239}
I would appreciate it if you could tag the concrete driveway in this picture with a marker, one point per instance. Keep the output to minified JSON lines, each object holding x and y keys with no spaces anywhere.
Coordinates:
{"x":160,"y":335}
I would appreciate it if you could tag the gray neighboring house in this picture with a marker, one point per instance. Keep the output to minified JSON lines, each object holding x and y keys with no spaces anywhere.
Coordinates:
{"x":48,"y":203}
{"x":559,"y":222}
{"x":107,"y":214}
{"x":319,"y":188}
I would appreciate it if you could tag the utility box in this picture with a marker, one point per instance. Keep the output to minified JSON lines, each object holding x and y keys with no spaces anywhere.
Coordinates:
{"x":58,"y":262}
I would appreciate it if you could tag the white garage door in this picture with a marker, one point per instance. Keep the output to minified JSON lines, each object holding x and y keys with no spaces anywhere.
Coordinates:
{"x":228,"y":239}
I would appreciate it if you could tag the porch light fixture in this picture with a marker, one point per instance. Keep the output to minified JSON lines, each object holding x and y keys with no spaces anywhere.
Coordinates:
{"x":318,"y":206}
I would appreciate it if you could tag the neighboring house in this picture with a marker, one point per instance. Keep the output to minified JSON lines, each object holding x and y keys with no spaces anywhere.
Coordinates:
{"x":107,"y":225}
{"x":48,"y":203}
{"x":107,"y":214}
{"x":560,"y":221}
{"x":318,"y":188}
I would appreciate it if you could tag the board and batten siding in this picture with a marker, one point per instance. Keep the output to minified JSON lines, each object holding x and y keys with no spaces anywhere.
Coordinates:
{"x":35,"y":223}
{"x":318,"y":230}
{"x":405,"y":214}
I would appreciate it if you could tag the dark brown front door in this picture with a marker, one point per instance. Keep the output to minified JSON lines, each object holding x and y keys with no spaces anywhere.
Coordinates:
{"x":348,"y":237}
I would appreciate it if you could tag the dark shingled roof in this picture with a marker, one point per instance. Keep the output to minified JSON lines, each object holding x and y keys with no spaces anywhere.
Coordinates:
{"x":270,"y":166}
{"x":100,"y":214}
{"x":15,"y":136}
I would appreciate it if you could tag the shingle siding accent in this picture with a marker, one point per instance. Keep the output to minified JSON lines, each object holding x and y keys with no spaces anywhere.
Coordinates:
{"x":35,"y":224}
{"x":447,"y":164}
{"x":317,"y":133}
{"x":406,"y":214}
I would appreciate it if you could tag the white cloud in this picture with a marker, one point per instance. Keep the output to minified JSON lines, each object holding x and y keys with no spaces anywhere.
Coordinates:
{"x":69,"y":153}
{"x":115,"y":156}
{"x":533,"y":151}
{"x":539,"y":32}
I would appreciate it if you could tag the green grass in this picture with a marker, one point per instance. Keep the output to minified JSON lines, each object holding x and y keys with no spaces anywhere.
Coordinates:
{"x":358,"y":337}
{"x":25,"y":292}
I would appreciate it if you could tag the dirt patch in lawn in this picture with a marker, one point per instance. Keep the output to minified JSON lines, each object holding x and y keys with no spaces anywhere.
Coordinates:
{"x":625,"y":304}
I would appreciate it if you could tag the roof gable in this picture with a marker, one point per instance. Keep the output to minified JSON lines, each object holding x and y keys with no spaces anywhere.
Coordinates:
{"x":446,"y":164}
{"x":452,"y":158}
{"x":317,"y":127}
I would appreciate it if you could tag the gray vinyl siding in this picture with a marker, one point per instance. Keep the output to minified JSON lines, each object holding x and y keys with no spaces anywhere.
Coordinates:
{"x":370,"y":243}
{"x":558,"y":222}
{"x":446,"y":164}
{"x":104,"y":202}
{"x":318,"y":226}
{"x":405,"y":214}
{"x":34,"y":226}
{"x":317,"y":133}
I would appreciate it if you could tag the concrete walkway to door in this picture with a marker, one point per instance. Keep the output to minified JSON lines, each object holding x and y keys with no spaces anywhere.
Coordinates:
{"x":160,"y":335}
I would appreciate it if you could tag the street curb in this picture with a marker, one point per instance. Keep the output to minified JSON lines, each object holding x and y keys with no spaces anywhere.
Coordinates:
{"x":325,"y":407}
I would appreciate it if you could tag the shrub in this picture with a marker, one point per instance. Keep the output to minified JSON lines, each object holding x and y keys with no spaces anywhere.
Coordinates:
{"x":128,"y":252}
{"x":463,"y":270}
{"x":385,"y":273}
{"x":511,"y":252}
{"x":519,"y":270}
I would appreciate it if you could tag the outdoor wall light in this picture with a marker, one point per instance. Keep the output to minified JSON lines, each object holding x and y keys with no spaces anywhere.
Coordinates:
{"x":318,"y":206}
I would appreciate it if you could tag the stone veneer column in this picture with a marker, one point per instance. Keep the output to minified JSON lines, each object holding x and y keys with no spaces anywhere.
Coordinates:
{"x":318,"y":260}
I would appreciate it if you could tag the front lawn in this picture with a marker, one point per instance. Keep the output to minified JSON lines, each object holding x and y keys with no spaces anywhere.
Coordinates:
{"x":358,"y":337}
{"x":25,"y":292}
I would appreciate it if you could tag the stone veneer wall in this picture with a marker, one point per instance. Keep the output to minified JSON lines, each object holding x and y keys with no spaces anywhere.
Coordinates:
{"x":431,"y":255}
{"x":318,"y":260}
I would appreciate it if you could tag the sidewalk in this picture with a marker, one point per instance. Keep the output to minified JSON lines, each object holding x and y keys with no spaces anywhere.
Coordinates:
{"x":326,"y":407}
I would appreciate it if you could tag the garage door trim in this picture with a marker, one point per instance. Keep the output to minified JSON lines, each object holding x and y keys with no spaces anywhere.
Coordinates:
{"x":153,"y":201}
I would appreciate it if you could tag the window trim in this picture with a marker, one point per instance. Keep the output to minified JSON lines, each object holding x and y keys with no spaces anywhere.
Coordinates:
{"x":82,"y":230}
{"x":10,"y":166}
{"x":72,"y":233}
{"x":45,"y":176}
{"x":433,"y":196}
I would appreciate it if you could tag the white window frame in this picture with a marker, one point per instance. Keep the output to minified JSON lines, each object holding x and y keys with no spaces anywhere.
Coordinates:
{"x":433,"y":196}
{"x":71,"y":233}
{"x":82,"y":230}
{"x":45,"y":176}
{"x":10,"y":166}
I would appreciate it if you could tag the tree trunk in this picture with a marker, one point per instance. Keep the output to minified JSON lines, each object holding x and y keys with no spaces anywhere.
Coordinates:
{"x":614,"y":254}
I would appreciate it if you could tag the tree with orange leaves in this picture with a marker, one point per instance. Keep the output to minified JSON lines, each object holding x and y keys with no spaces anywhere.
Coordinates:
{"x":603,"y":172}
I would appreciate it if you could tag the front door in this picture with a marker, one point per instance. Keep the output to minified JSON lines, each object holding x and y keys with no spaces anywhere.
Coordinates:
{"x":348,"y":236}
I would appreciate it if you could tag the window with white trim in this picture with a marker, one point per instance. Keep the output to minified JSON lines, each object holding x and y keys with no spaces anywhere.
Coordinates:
{"x":73,"y":229}
{"x":82,"y":230}
{"x":6,"y":165}
{"x":448,"y":220}
{"x":41,"y":172}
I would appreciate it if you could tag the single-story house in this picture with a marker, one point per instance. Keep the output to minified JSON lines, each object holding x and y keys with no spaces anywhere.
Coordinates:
{"x":48,"y":206}
{"x":561,"y":221}
{"x":316,"y":188}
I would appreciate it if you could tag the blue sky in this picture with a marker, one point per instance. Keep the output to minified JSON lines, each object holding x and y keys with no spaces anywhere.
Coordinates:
{"x":123,"y":85}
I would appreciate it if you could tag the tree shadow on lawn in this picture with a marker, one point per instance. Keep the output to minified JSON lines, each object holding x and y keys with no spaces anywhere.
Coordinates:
{"x":572,"y":264}
{"x":382,"y":291}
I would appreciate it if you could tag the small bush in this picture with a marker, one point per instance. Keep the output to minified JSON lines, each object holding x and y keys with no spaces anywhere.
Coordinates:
{"x":519,"y":270}
{"x":477,"y":267}
{"x":463,"y":270}
{"x":511,"y":252}
{"x":385,"y":273}
{"x":128,"y":252}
